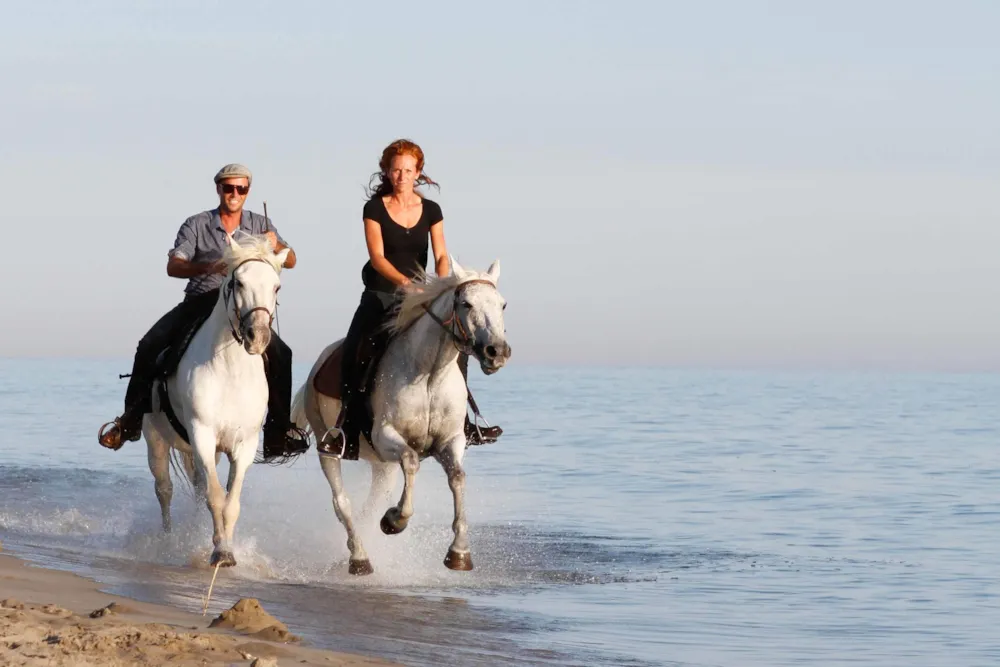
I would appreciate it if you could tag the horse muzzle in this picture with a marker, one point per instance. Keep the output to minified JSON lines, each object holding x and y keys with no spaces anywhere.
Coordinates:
{"x":492,"y":357}
{"x":256,"y":338}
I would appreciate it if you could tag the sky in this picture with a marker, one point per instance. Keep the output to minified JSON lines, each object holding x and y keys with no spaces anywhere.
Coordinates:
{"x":713,"y":184}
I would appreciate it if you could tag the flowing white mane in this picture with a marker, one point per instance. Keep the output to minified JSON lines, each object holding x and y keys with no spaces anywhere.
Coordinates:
{"x":428,"y":287}
{"x":249,"y":246}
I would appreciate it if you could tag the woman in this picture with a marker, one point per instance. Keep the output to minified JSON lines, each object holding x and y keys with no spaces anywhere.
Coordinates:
{"x":398,"y":221}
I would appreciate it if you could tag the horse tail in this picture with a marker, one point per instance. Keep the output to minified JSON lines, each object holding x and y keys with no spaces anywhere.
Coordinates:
{"x":299,"y":410}
{"x":183,"y":466}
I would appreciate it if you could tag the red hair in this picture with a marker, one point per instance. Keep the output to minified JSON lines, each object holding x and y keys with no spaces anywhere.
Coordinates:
{"x":379,"y":185}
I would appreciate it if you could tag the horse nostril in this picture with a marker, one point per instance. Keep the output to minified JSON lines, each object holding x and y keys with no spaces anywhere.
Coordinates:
{"x":251,"y":334}
{"x":491,"y":352}
{"x":506,"y":352}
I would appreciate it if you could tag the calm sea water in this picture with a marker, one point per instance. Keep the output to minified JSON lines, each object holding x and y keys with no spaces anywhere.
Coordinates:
{"x":627,"y":517}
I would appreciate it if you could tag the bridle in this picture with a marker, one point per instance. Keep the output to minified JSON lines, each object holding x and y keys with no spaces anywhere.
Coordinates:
{"x":453,"y":326}
{"x":228,"y":293}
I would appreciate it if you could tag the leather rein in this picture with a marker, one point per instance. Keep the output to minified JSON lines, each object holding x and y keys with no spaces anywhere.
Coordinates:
{"x":453,"y":326}
{"x":228,"y":293}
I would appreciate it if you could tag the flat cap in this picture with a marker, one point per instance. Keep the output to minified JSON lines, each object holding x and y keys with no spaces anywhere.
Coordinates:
{"x":234,"y":171}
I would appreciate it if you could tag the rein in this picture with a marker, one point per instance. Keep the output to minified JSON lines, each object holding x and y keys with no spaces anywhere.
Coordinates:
{"x":452,"y":323}
{"x":228,"y":293}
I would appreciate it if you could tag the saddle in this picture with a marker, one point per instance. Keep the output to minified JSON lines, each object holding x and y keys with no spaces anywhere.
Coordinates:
{"x":166,"y":365}
{"x":359,"y":419}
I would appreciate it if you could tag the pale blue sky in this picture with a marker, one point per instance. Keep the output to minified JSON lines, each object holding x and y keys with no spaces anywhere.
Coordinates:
{"x":712,"y":184}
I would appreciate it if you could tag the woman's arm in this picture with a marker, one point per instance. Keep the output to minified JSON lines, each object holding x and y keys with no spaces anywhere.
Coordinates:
{"x":376,"y":252}
{"x":441,"y":263}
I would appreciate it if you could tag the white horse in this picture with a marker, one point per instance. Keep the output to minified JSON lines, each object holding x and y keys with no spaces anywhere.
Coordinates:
{"x":419,"y":401}
{"x":219,"y":392}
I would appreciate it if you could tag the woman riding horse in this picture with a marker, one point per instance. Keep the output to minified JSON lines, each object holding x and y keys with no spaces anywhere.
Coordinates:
{"x":398,"y":220}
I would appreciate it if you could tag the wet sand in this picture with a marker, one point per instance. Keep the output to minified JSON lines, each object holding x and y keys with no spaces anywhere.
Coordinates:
{"x":59,"y":619}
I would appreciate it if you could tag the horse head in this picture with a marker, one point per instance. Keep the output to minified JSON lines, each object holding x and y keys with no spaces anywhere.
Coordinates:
{"x":251,"y":290}
{"x":478,"y":315}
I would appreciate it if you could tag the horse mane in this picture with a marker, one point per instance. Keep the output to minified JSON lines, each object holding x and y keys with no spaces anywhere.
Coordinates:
{"x":247,"y":247}
{"x":425,"y":289}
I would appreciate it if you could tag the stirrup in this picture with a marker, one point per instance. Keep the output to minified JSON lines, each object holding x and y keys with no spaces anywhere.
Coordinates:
{"x":343,"y":440}
{"x":101,"y":432}
{"x":474,"y":434}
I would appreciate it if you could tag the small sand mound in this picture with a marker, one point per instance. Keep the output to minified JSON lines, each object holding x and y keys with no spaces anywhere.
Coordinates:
{"x":248,"y":617}
{"x":113,"y":608}
{"x":11,"y":603}
{"x":56,"y":610}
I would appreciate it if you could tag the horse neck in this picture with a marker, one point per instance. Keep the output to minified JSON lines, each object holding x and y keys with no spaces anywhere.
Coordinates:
{"x":429,"y":347}
{"x":219,"y":331}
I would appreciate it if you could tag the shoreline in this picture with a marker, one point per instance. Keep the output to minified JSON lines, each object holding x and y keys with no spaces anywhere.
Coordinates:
{"x":53,"y":617}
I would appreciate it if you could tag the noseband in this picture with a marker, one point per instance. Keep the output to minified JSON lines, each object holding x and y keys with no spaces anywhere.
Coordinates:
{"x":453,"y":325}
{"x":228,"y":294}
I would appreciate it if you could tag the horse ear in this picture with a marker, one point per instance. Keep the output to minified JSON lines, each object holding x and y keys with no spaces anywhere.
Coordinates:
{"x":456,"y":268}
{"x":494,"y":271}
{"x":280,"y":257}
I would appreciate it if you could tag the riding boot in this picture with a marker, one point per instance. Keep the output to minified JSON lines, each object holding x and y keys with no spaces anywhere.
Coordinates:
{"x":282,"y":438}
{"x":484,"y":435}
{"x":138,"y":401}
{"x":476,"y":435}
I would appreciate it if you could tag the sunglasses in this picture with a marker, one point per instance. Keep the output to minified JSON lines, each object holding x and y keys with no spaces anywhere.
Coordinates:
{"x":229,"y":188}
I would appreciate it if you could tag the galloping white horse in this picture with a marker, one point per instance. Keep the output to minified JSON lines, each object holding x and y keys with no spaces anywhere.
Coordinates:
{"x":419,"y":400}
{"x":219,"y":391}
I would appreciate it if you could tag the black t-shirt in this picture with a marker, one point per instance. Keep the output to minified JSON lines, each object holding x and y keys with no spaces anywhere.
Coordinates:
{"x":406,"y":249}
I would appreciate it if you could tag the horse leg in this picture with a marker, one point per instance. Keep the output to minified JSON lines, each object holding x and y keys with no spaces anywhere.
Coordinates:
{"x":238,"y":466}
{"x":450,"y":457}
{"x":391,"y":445}
{"x":203,"y":443}
{"x":158,"y":456}
{"x":358,"y":563}
{"x":383,"y":479}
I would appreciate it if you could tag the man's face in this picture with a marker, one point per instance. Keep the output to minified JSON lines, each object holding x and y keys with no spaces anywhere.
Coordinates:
{"x":232,"y":194}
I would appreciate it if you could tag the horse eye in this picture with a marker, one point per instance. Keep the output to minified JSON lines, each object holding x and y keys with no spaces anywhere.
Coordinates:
{"x":504,"y":307}
{"x":276,"y":288}
{"x":237,"y":284}
{"x":466,"y":304}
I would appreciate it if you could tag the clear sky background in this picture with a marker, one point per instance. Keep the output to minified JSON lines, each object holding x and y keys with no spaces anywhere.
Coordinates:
{"x":723,"y":184}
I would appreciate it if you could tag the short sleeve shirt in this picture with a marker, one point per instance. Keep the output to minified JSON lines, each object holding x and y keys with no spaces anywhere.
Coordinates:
{"x":202,"y":239}
{"x":406,"y":249}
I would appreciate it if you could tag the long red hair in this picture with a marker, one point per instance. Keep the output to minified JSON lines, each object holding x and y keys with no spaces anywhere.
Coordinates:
{"x":380,"y":185}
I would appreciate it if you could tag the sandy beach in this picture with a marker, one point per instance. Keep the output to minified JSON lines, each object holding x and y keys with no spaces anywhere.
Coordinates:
{"x":54,"y":618}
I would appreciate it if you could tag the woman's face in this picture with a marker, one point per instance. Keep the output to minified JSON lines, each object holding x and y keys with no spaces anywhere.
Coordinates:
{"x":403,"y":172}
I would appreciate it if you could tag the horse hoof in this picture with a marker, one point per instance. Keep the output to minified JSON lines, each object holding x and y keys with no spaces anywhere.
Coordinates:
{"x":458,"y":560}
{"x":223,"y":558}
{"x":360,"y":567}
{"x":392,"y":527}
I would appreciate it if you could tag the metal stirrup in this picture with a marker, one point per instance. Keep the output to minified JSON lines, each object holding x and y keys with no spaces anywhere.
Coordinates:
{"x":343,"y":446}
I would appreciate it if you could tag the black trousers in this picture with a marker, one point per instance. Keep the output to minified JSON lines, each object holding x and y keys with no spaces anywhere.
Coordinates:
{"x":138,"y":396}
{"x":363,"y":336}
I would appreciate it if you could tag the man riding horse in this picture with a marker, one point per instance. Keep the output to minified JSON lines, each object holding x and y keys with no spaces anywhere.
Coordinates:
{"x":196,"y":256}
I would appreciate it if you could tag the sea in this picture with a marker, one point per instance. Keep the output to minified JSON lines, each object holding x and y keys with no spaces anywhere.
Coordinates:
{"x":627,"y":516}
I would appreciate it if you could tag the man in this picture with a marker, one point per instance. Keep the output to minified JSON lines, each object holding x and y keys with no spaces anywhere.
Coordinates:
{"x":197,"y":257}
